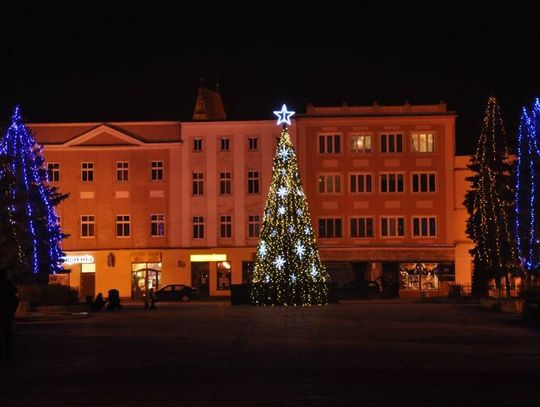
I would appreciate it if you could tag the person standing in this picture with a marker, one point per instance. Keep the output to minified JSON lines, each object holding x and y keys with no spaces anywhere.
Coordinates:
{"x":9,"y":301}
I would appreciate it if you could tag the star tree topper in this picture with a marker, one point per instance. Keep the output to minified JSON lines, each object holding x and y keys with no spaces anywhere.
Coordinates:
{"x":284,"y":116}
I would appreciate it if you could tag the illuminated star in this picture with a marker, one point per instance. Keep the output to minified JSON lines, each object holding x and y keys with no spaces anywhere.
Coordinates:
{"x":291,"y":229}
{"x":300,"y":249}
{"x":299,"y":192}
{"x":281,"y":210}
{"x":284,"y":116}
{"x":307,"y":230}
{"x":279,"y":262}
{"x":267,"y":278}
{"x":284,"y":153}
{"x":283,"y":171}
{"x":293,"y":278}
{"x":299,"y":212}
{"x":282,"y":191}
{"x":262,"y":249}
{"x":314,"y":271}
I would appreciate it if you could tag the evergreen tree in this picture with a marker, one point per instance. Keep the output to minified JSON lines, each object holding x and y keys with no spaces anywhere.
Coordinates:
{"x":29,"y":217}
{"x":288,"y":269}
{"x":489,"y":203}
{"x":527,"y":194}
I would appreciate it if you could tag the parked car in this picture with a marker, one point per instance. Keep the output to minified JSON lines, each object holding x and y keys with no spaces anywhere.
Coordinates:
{"x":177,"y":292}
{"x":359,"y":289}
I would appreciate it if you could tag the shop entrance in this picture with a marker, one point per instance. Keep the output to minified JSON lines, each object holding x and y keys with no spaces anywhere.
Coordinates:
{"x":88,"y":280}
{"x":199,"y":277}
{"x":143,"y":277}
{"x":390,"y":280}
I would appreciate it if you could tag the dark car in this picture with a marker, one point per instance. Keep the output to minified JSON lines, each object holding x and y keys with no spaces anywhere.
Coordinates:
{"x":359,"y":289}
{"x":177,"y":292}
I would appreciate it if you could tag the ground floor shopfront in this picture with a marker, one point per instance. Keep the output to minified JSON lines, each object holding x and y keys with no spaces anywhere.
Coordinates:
{"x":400,"y":272}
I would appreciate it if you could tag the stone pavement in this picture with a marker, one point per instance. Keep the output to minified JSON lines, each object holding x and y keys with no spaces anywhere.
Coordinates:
{"x":373,"y":353}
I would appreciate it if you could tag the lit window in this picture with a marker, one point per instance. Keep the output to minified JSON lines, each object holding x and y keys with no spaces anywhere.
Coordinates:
{"x":360,"y":143}
{"x":422,"y":142}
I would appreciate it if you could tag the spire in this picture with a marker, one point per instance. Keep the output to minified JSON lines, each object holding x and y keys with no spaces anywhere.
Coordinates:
{"x":209,"y":105}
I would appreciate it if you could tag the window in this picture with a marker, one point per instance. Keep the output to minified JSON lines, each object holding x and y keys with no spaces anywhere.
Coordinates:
{"x":392,"y":182}
{"x":360,"y":183}
{"x":330,"y":144}
{"x":254,"y":225}
{"x":360,"y":143}
{"x":225,"y":226}
{"x":198,"y":227}
{"x":253,"y":143}
{"x":87,"y":172}
{"x":225,"y":144}
{"x":423,"y":182}
{"x":223,"y":275}
{"x":362,"y":227}
{"x":53,"y":172}
{"x":330,"y":184}
{"x":122,"y":170}
{"x":425,"y":226}
{"x":422,"y":143}
{"x":197,"y":144}
{"x":392,"y":143}
{"x":88,"y":226}
{"x":157,"y":170}
{"x":393,"y":226}
{"x":225,"y":183}
{"x":157,"y":225}
{"x":330,"y":227}
{"x":253,"y":182}
{"x":122,"y":225}
{"x":198,"y":183}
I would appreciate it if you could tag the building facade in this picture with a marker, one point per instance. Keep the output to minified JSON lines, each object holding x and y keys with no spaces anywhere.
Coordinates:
{"x":154,"y":203}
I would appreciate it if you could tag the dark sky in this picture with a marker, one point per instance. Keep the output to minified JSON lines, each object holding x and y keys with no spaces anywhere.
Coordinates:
{"x":97,"y":63}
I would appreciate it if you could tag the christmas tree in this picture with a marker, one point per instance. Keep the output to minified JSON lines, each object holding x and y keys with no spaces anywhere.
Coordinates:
{"x":527,"y":194}
{"x":288,"y":269}
{"x":488,"y":203}
{"x":32,"y":223}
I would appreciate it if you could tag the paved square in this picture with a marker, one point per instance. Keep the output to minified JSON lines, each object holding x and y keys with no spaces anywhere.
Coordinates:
{"x":211,"y":354}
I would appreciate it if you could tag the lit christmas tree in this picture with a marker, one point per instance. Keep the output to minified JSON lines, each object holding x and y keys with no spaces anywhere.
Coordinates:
{"x":488,"y":203}
{"x":288,"y":269}
{"x":32,"y":221}
{"x":527,"y":194}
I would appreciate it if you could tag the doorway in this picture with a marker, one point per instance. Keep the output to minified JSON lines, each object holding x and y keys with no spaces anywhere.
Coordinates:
{"x":199,"y":277}
{"x":390,"y":280}
{"x":144,"y":276}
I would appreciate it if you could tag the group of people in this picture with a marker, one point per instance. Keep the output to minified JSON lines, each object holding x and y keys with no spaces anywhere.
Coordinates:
{"x":149,"y":298}
{"x":9,"y":301}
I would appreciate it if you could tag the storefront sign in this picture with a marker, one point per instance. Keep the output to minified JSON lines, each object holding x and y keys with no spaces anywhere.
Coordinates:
{"x":79,"y":259}
{"x":207,"y":257}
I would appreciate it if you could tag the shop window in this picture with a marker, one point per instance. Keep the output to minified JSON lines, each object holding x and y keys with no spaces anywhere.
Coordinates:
{"x":419,"y":276}
{"x":223,"y":276}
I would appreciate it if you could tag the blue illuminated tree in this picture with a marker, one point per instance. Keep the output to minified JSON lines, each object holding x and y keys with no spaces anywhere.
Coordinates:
{"x":288,"y":269}
{"x":489,"y":204}
{"x":28,"y":201}
{"x":527,"y":194}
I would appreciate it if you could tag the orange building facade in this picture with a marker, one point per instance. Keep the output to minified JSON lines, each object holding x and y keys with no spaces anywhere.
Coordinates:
{"x":154,"y":203}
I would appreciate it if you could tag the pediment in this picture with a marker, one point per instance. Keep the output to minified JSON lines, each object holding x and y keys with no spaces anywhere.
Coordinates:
{"x":104,"y":135}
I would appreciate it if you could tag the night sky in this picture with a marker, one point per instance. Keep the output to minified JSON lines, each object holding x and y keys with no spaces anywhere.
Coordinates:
{"x":145,"y":62}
